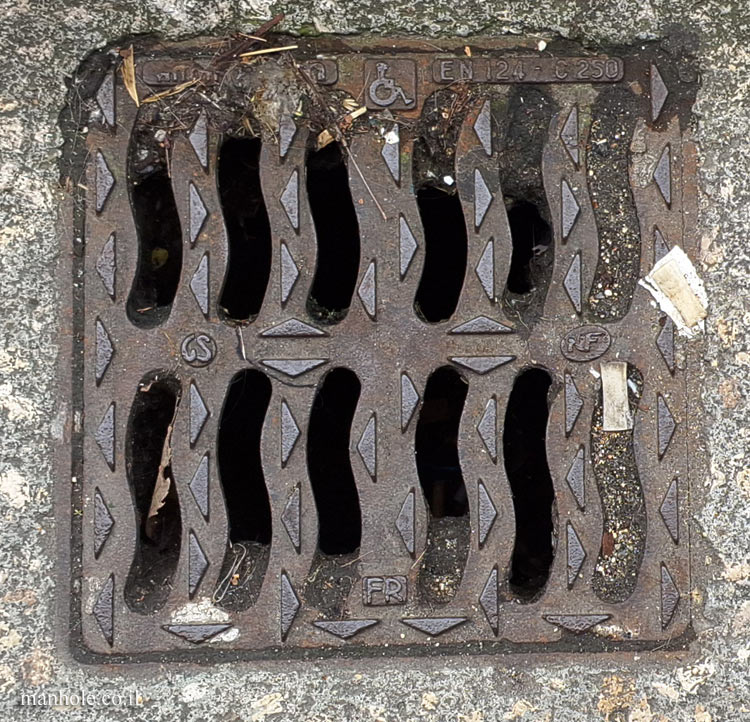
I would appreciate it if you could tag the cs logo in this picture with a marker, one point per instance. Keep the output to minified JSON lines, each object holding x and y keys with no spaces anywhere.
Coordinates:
{"x":198,"y":349}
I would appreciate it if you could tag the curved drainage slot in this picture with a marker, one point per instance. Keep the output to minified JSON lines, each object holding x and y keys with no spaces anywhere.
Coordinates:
{"x":445,"y":254}
{"x":337,"y":233}
{"x":616,"y":114}
{"x":525,"y":452}
{"x":523,"y":133}
{"x":336,"y":497}
{"x":148,"y":457}
{"x":439,"y":470}
{"x":157,"y":227}
{"x":531,"y":238}
{"x":441,"y":214}
{"x":246,"y":497}
{"x":248,"y":229}
{"x":623,"y":505}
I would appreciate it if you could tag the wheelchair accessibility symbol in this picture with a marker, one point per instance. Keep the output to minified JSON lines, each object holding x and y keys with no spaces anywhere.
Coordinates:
{"x":393,"y":86}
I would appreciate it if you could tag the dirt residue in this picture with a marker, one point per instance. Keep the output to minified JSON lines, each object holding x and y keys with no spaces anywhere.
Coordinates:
{"x":241,"y":575}
{"x":444,"y":559}
{"x":623,"y":506}
{"x":615,"y":115}
{"x":330,"y":582}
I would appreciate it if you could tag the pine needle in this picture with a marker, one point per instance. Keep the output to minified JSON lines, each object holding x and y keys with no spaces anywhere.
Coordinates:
{"x":171,"y":91}
{"x":265,"y":51}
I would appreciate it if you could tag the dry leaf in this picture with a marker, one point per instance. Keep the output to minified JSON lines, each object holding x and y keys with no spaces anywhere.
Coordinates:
{"x":161,"y":489}
{"x":162,"y":485}
{"x":324,"y":139}
{"x":172,"y":91}
{"x":128,"y":74}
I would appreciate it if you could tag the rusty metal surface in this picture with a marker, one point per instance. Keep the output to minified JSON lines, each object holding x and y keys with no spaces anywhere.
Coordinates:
{"x":393,"y":352}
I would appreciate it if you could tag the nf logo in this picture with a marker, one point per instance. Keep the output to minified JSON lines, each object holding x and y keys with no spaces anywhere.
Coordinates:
{"x":391,"y":84}
{"x":198,"y":349}
{"x":382,"y":591}
{"x":585,"y":343}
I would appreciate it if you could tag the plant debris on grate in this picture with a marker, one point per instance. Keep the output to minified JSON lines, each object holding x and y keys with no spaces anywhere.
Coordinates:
{"x":360,"y":353}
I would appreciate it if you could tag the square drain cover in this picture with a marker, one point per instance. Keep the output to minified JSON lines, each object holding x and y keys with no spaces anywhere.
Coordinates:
{"x":360,"y":353}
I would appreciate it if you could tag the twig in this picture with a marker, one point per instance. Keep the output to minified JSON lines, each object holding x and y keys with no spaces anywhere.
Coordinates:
{"x":333,"y":123}
{"x":257,"y":36}
{"x":209,"y":100}
{"x":354,"y":561}
{"x":364,"y":180}
{"x":242,"y":343}
{"x":268,"y":25}
{"x":417,"y":560}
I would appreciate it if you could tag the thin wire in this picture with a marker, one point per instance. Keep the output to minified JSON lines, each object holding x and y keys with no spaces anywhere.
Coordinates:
{"x":226,"y":581}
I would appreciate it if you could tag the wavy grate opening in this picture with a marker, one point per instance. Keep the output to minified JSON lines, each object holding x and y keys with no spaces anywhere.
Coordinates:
{"x":331,"y":576}
{"x":248,"y":229}
{"x":445,"y":254}
{"x":443,"y":486}
{"x":623,"y":505}
{"x":525,"y":452}
{"x":148,"y":459}
{"x":531,"y":238}
{"x":157,"y":227}
{"x":248,"y":509}
{"x":337,"y":234}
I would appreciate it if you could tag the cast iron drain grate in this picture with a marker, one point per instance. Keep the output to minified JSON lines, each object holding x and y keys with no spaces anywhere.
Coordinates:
{"x":348,"y":314}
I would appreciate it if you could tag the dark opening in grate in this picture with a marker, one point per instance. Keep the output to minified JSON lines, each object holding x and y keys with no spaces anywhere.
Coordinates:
{"x":525,"y":450}
{"x":149,"y":469}
{"x":157,"y":226}
{"x":239,"y":460}
{"x":248,"y":230}
{"x":442,"y":481}
{"x":336,"y":232}
{"x":362,"y":358}
{"x":240,"y":470}
{"x":329,"y":465}
{"x":444,"y":256}
{"x":531,"y":239}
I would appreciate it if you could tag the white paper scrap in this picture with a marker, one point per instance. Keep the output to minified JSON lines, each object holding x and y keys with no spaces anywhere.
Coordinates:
{"x":616,"y":408}
{"x":680,"y":293}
